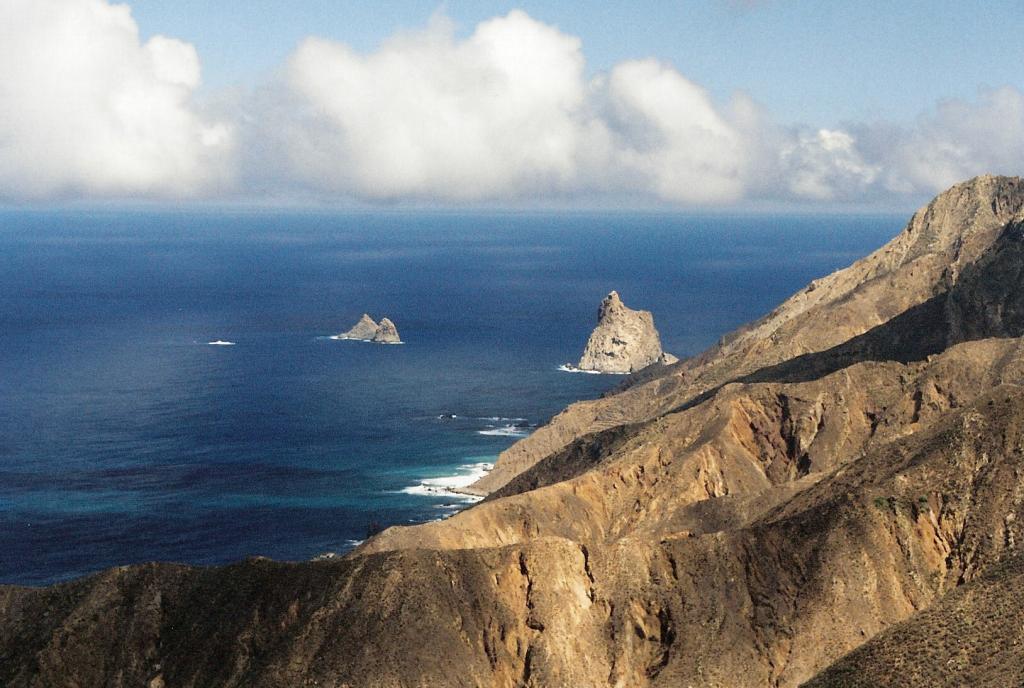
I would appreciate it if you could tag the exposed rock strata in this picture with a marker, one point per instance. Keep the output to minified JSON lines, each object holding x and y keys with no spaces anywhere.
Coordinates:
{"x":624,"y":340}
{"x":844,"y":475}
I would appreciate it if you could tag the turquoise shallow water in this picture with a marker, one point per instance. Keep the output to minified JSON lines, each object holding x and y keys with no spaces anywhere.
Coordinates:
{"x":125,"y":437}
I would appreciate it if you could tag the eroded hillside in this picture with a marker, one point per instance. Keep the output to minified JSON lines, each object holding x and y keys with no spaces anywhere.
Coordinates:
{"x":847,"y":472}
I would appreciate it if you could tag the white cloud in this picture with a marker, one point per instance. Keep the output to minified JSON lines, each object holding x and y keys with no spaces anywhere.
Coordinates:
{"x":670,"y":137}
{"x":959,"y":139}
{"x":87,"y":109}
{"x":507,"y":112}
{"x":495,"y":115}
{"x":824,"y":164}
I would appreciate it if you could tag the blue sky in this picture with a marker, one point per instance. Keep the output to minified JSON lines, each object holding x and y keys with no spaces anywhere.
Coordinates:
{"x":720,"y":103}
{"x":814,"y":62}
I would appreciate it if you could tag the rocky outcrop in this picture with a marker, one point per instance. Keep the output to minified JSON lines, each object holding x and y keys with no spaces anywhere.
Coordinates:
{"x":833,"y":494}
{"x":367,"y":330}
{"x":362,"y":330}
{"x":386,"y":333}
{"x":624,"y":340}
{"x":921,"y":262}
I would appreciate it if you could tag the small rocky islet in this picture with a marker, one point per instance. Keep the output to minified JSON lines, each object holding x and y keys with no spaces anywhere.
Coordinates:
{"x":369,"y":330}
{"x":624,"y":341}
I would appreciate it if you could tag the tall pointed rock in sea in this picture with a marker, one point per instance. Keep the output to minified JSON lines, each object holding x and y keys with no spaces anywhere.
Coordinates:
{"x":624,"y":340}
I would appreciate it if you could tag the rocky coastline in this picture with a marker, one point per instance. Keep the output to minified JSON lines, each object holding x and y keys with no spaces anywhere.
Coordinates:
{"x":831,"y":497}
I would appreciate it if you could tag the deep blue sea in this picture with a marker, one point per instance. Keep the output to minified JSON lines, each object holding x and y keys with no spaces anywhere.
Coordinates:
{"x":125,"y":437}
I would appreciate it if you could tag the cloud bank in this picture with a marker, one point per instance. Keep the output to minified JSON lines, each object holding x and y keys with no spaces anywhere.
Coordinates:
{"x":505,"y":114}
{"x":86,"y":109}
{"x":508,"y":113}
{"x":501,"y":113}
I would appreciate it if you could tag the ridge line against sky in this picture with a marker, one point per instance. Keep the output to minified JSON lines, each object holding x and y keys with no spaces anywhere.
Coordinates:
{"x":498,"y":106}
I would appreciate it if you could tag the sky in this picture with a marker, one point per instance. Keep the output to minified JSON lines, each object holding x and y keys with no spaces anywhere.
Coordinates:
{"x":685,"y":104}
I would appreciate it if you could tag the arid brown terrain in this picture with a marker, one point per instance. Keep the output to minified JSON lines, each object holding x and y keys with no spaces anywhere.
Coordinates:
{"x":832,"y":496}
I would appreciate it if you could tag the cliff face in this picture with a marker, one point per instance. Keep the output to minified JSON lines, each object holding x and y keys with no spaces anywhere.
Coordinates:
{"x":624,"y":340}
{"x":844,"y":475}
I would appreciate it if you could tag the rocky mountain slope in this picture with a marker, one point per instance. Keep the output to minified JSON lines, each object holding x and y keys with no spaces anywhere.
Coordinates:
{"x":962,"y":640}
{"x":624,"y":340}
{"x":922,"y":262}
{"x":832,"y":496}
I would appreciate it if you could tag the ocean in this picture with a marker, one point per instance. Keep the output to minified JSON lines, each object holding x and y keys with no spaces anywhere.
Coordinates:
{"x":126,"y":437}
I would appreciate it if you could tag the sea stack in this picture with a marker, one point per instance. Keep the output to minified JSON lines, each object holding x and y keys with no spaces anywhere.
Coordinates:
{"x":386,"y":333}
{"x":364,"y":330}
{"x":624,"y":340}
{"x":368,"y":330}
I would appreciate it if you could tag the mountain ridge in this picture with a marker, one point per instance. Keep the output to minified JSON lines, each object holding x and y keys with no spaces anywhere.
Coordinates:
{"x":811,"y":502}
{"x":906,"y":271}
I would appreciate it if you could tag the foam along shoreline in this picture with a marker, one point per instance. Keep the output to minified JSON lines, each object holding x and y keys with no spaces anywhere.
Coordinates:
{"x":369,"y":330}
{"x":341,"y":337}
{"x":510,"y":427}
{"x":345,"y":548}
{"x":452,"y":486}
{"x":507,"y":431}
{"x":570,"y":368}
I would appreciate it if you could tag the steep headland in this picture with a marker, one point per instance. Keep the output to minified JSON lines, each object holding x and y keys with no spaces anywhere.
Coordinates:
{"x":832,"y":495}
{"x":959,"y":641}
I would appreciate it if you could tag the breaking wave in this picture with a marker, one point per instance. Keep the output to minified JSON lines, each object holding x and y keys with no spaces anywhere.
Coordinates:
{"x":444,"y":486}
